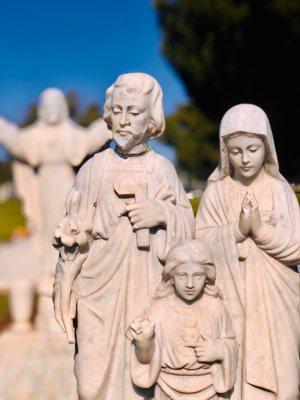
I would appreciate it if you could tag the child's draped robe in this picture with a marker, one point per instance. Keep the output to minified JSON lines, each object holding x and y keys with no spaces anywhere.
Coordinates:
{"x":174,"y":367}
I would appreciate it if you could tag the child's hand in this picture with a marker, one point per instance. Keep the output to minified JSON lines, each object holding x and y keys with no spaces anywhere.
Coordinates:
{"x":208,"y":351}
{"x":142,"y":330}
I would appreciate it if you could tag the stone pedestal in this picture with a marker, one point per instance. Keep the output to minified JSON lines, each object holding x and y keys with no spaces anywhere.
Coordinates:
{"x":21,"y":305}
{"x":36,"y":362}
{"x":36,"y":366}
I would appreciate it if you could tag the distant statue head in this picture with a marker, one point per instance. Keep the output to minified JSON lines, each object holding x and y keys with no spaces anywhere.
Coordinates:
{"x":53,"y":106}
{"x":189,"y":271}
{"x":133,"y":110}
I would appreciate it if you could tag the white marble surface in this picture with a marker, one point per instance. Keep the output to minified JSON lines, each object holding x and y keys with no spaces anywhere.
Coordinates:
{"x":36,"y":366}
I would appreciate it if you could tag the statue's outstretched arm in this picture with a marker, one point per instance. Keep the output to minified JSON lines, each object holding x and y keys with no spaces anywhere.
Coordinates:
{"x":87,"y":141}
{"x":10,"y":139}
{"x":97,"y":135}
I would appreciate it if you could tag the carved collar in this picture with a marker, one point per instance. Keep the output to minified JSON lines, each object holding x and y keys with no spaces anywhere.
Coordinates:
{"x":124,"y":155}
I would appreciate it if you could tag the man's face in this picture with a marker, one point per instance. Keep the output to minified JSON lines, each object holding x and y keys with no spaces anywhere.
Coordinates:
{"x":189,"y":281}
{"x":130,"y":117}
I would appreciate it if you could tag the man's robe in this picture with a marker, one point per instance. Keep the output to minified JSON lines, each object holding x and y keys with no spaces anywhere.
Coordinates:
{"x":117,"y":279}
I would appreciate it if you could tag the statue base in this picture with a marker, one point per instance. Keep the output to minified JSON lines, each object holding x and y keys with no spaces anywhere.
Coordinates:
{"x":36,"y":365}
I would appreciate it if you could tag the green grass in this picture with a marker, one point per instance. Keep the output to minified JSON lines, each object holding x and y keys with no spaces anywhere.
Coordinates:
{"x":11,"y":218}
{"x":195,"y":204}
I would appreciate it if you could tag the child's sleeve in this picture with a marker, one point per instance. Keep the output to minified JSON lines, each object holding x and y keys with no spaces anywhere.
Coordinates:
{"x":146,"y":375}
{"x":224,"y":373}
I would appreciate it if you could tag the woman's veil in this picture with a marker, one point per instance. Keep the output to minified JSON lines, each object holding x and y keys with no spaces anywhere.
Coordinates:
{"x":246,"y":118}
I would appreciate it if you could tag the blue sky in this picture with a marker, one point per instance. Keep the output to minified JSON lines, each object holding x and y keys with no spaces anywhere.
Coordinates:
{"x":78,"y":45}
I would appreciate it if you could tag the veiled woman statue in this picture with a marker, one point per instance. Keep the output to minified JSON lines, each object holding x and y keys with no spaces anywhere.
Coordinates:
{"x":250,"y":216}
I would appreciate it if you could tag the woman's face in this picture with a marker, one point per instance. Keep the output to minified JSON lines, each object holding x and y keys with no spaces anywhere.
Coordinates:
{"x":189,"y":281}
{"x":246,"y":155}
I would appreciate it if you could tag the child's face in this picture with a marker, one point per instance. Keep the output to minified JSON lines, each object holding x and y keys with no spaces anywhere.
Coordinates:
{"x":130,"y":117}
{"x":189,"y":281}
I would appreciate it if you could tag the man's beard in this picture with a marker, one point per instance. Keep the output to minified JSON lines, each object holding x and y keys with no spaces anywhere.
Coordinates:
{"x":128,"y":142}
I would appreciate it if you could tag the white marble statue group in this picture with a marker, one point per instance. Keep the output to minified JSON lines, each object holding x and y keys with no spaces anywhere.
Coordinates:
{"x":163,"y":306}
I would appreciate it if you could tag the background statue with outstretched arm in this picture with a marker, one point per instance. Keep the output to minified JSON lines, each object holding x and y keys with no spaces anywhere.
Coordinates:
{"x":47,"y":152}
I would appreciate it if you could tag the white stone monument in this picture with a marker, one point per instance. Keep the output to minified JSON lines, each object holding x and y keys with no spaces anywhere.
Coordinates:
{"x":184,"y":343}
{"x":125,"y":210}
{"x":250,"y":217}
{"x":46,"y":153}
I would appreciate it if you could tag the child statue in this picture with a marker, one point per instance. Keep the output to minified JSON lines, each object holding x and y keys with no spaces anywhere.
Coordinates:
{"x":250,"y":216}
{"x":184,"y":343}
{"x":124,"y":212}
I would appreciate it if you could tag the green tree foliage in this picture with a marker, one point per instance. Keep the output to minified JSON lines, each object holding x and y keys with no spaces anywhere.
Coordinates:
{"x":232,"y":51}
{"x":5,"y":172}
{"x":30,"y":117}
{"x":90,"y":114}
{"x":73,"y":104}
{"x":192,"y":135}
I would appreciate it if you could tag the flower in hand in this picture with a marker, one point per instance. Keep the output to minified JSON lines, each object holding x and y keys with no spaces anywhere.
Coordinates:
{"x":72,"y":231}
{"x":146,"y":214}
{"x":209,"y":350}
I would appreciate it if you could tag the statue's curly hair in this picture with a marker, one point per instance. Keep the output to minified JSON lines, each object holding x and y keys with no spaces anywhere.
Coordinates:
{"x":188,"y":251}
